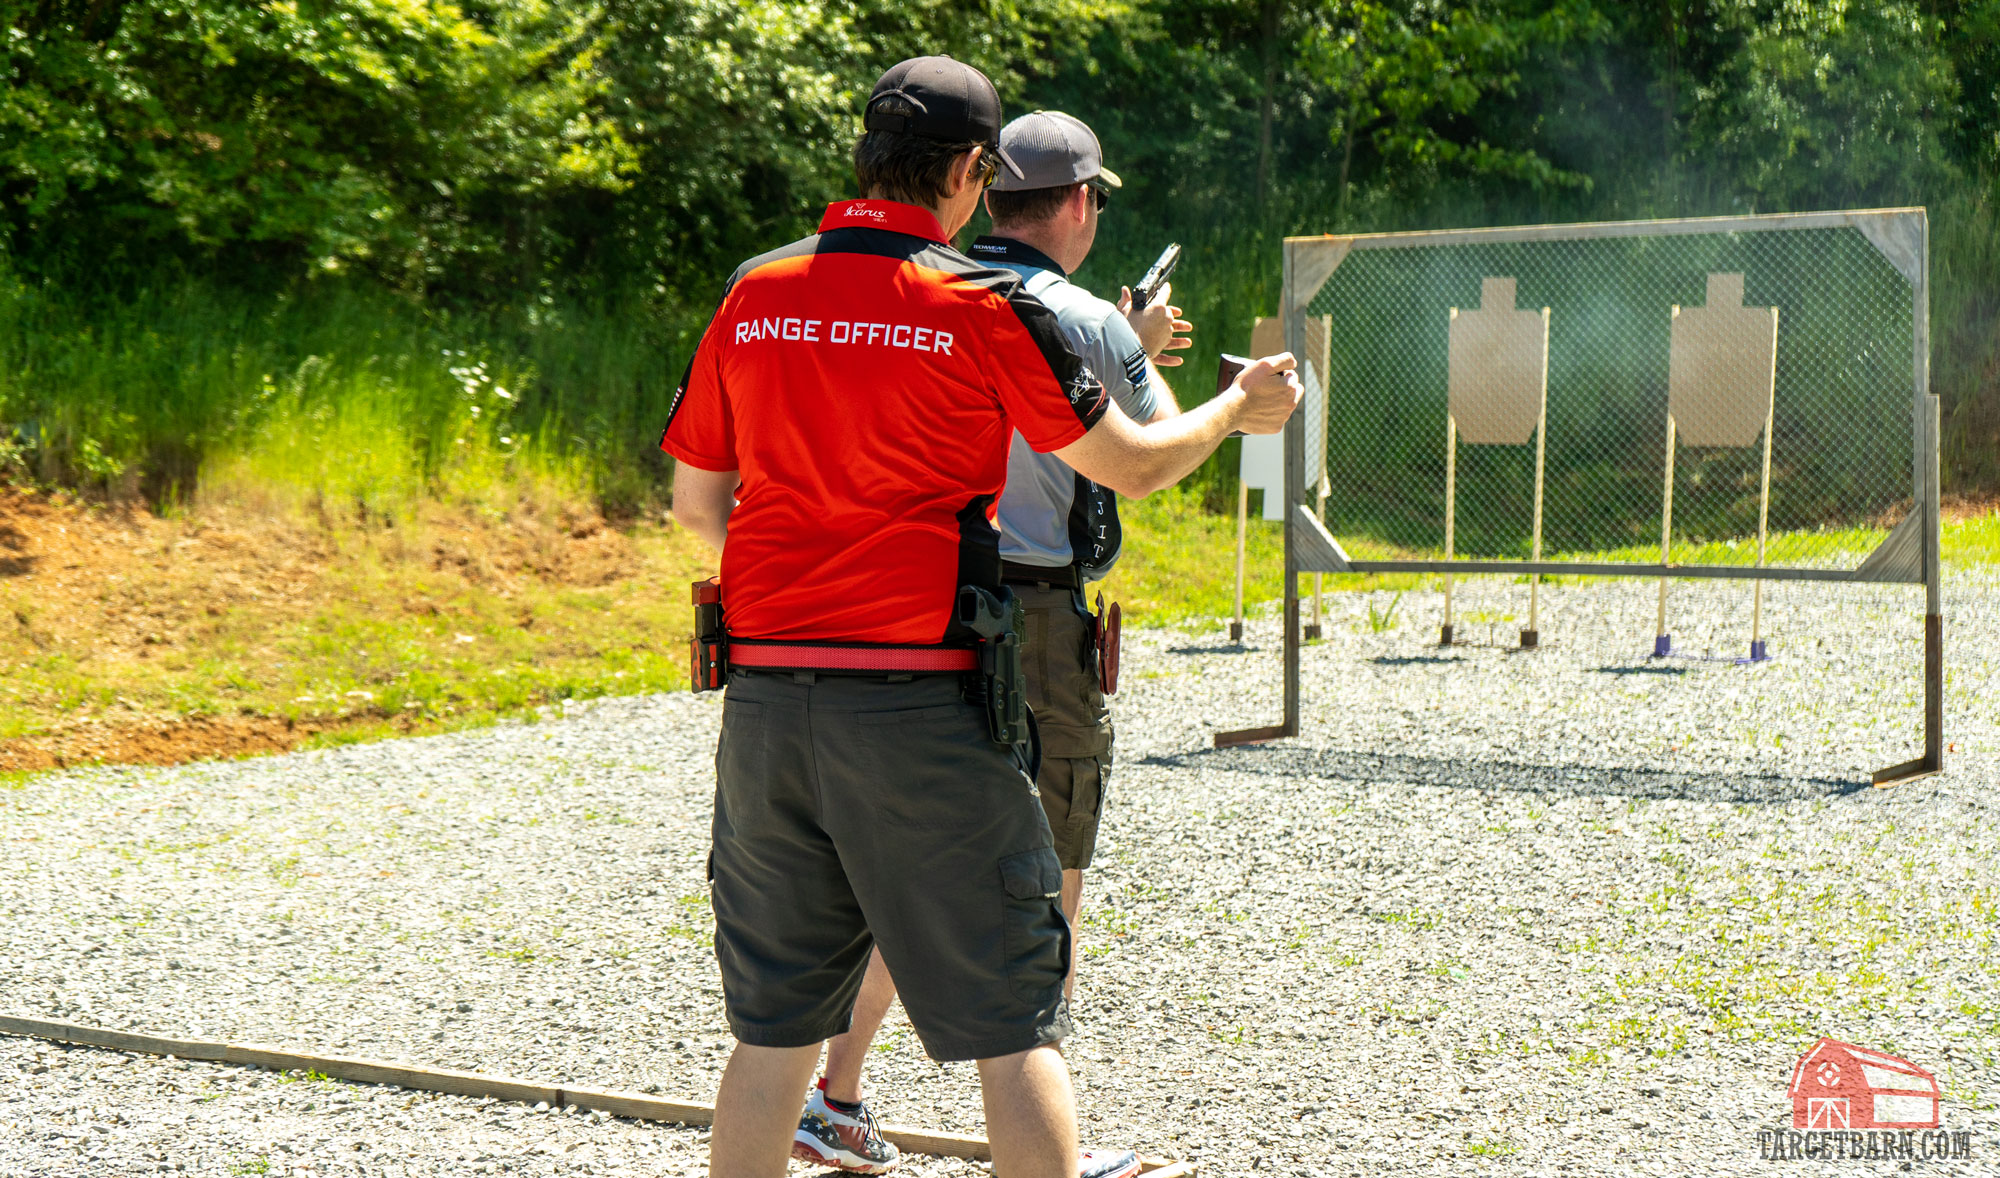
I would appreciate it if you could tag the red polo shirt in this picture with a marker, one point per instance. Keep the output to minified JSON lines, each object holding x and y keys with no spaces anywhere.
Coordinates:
{"x":866,"y":382}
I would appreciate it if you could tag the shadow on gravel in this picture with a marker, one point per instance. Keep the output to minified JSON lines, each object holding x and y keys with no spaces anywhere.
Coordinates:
{"x":1561,"y":780}
{"x":1413,"y":660}
{"x":1217,"y":648}
{"x":1643,"y":669}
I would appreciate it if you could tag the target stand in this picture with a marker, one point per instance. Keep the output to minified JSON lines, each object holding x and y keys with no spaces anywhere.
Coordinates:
{"x":1722,"y":378}
{"x":1499,"y":396}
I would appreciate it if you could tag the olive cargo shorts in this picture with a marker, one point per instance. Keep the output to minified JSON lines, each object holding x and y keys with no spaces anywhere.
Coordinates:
{"x":852,"y":811}
{"x":1059,"y":661}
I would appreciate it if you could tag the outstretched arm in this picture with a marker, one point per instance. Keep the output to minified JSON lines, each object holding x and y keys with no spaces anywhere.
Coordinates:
{"x":1136,"y":460}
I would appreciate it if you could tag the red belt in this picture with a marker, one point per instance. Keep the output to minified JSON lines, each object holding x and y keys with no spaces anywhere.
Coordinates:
{"x":806,"y":656}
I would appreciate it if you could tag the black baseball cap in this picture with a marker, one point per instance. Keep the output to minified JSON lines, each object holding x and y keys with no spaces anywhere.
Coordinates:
{"x":937,"y":98}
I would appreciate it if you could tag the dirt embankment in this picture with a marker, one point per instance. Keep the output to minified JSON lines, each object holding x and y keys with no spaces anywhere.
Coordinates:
{"x":108,"y":615}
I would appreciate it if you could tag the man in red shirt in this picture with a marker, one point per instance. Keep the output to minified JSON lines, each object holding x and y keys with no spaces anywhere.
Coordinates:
{"x":842,"y":436}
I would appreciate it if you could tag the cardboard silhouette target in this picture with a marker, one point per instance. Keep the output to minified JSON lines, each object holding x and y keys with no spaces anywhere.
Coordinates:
{"x":1497,"y":395}
{"x":1722,"y":375}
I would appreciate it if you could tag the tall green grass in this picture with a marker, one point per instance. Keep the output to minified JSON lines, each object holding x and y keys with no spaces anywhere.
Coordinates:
{"x":353,"y":394}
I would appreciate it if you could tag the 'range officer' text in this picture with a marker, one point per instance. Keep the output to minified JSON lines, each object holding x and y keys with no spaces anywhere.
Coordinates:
{"x":845,"y":331}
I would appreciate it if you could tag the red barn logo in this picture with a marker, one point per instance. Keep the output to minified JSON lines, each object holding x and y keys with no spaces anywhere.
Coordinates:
{"x":1840,"y":1086}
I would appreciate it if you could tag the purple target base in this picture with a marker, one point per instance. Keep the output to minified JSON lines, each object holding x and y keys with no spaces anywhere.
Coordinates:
{"x":1663,"y":648}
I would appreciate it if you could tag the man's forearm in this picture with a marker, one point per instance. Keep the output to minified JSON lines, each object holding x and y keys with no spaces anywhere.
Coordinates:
{"x":1173,"y":447}
{"x":1136,"y":461}
{"x":1165,"y":404}
{"x":713,"y":529}
{"x":703,"y":501}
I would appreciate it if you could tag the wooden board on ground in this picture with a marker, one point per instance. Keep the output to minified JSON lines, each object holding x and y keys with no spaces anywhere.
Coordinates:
{"x":457,"y":1083}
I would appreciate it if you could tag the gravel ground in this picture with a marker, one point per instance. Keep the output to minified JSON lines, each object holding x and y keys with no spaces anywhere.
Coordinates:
{"x":1500,"y":913}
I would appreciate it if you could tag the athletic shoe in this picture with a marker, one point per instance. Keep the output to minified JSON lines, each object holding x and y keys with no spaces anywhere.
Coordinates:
{"x":1107,"y":1163}
{"x":844,"y":1141}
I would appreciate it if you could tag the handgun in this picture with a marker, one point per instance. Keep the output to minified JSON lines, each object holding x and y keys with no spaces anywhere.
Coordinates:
{"x":1150,"y":285}
{"x":1226,"y":373}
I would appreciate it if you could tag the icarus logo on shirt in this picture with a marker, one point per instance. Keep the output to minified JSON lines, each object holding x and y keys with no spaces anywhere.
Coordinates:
{"x":845,"y":331}
{"x":865,"y":211}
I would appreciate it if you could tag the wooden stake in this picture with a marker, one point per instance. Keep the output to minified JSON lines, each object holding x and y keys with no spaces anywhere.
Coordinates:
{"x":1534,"y":634}
{"x":1450,"y":509}
{"x":1242,"y":530}
{"x":1319,"y":579}
{"x":1666,"y":529}
{"x":1667,"y":526}
{"x":1764,"y":501}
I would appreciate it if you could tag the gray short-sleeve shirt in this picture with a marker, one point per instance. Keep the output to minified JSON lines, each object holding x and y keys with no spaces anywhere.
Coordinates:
{"x":1049,"y":515}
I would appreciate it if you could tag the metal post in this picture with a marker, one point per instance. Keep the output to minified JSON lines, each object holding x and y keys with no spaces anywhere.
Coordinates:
{"x":1934,"y":525}
{"x":1295,"y":497}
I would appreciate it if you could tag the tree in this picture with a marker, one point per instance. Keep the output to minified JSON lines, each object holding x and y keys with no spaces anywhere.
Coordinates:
{"x":402,"y":136}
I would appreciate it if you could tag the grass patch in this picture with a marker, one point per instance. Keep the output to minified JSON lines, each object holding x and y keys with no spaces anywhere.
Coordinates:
{"x":1973,"y":540}
{"x":1179,"y":565}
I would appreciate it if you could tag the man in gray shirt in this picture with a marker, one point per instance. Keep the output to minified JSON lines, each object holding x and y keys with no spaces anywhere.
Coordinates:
{"x":1058,"y":532}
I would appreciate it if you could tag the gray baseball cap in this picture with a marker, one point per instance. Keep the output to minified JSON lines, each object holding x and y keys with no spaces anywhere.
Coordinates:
{"x":1051,"y":149}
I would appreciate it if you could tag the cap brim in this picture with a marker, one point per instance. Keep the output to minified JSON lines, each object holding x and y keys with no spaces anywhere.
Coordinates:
{"x":1109,"y":177}
{"x":1009,"y":161}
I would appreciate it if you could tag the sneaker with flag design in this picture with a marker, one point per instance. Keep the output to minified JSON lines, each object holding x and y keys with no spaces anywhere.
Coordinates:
{"x":1107,"y":1163}
{"x":843,"y":1136}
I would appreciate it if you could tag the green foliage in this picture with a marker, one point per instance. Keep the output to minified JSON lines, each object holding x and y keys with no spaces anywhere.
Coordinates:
{"x":401,"y":135}
{"x":550,"y":184}
{"x":743,"y":115}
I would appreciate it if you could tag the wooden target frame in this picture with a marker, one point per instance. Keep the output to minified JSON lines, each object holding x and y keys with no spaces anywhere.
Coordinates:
{"x":1909,"y":554}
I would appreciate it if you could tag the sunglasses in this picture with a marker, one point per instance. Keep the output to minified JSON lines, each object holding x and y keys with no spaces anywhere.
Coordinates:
{"x":989,"y":164}
{"x":1100,"y":193}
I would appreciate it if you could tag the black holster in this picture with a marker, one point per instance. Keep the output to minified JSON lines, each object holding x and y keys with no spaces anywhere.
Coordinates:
{"x":999,"y":688}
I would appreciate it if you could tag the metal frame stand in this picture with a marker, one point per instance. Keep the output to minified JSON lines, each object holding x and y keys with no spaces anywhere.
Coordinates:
{"x":1295,"y":497}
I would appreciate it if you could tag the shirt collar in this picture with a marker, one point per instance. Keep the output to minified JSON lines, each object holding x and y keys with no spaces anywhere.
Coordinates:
{"x":1006,"y":249}
{"x":893,"y":216}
